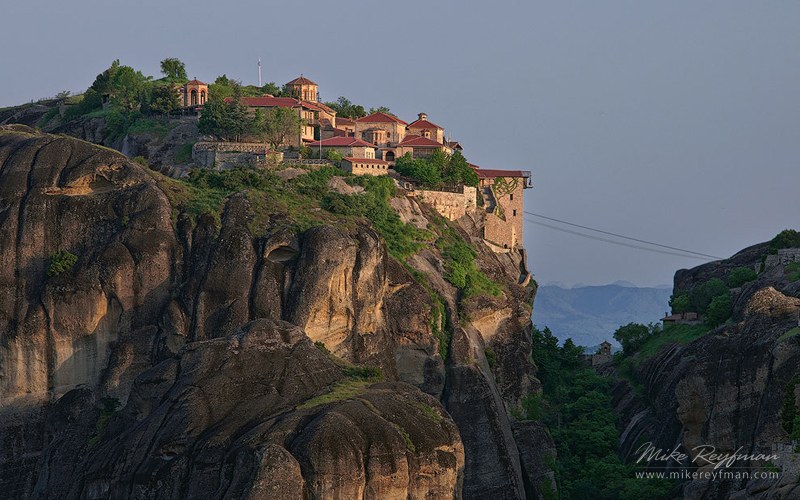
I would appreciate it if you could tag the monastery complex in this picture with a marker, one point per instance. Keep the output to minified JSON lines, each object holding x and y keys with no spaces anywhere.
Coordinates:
{"x":370,"y":145}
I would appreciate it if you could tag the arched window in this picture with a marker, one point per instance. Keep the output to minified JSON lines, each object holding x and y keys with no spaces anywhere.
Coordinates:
{"x":202,"y":97}
{"x":194,"y":98}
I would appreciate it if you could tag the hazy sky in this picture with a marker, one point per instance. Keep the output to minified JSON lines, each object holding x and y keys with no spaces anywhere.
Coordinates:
{"x":672,"y":121}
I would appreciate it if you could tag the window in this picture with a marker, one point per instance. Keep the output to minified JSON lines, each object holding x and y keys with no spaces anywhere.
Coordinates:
{"x":511,"y":196}
{"x":514,"y":213}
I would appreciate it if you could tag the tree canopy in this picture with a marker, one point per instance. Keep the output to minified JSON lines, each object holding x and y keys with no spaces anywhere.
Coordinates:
{"x":227,"y":120}
{"x":276,"y":125}
{"x":173,"y":69}
{"x":164,"y":99}
{"x":437,"y":169}
{"x":346,"y":109}
{"x":633,"y":335}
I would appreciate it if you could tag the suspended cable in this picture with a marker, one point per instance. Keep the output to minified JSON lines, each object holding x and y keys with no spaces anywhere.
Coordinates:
{"x":620,"y":243}
{"x":705,"y":255}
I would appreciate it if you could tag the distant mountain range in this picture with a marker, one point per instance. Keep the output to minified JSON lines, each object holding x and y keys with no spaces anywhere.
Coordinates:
{"x":591,"y":314}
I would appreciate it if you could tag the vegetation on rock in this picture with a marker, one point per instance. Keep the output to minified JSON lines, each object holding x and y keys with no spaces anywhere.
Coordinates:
{"x":788,"y":238}
{"x":577,"y":408}
{"x":741,"y":275}
{"x":61,"y":262}
{"x":438,"y":169}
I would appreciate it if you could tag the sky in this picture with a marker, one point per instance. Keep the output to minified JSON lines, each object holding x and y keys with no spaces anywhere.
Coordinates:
{"x":675,"y":122}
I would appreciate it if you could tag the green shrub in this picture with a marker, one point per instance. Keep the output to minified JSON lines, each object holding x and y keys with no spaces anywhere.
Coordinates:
{"x":793,"y":271}
{"x":459,"y":262}
{"x":141,"y":160}
{"x":363,"y":372}
{"x":183,"y":153}
{"x":334,"y":155}
{"x":701,"y":295}
{"x":48,"y":117}
{"x":679,"y":304}
{"x":91,"y":101}
{"x":741,"y":275}
{"x":719,"y":310}
{"x":633,"y":335}
{"x":532,"y":406}
{"x":61,"y":262}
{"x":788,"y":238}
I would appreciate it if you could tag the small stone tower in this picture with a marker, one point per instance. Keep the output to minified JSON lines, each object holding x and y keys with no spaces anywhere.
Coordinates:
{"x":194,"y":93}
{"x":303,"y":88}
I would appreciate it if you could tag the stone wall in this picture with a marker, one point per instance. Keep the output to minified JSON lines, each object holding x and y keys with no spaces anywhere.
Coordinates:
{"x":504,"y":223}
{"x":224,"y":155}
{"x":395,"y":132}
{"x":364,"y":168}
{"x":783,"y":257}
{"x":452,"y":205}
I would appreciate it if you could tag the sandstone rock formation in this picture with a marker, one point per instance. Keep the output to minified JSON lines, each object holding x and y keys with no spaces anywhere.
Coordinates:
{"x":728,"y":388}
{"x":177,"y":358}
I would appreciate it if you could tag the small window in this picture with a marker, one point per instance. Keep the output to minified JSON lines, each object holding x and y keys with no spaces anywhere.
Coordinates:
{"x":515,"y":213}
{"x":511,"y":196}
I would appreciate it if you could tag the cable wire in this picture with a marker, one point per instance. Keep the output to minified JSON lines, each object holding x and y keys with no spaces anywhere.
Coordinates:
{"x":704,"y":255}
{"x":620,"y":243}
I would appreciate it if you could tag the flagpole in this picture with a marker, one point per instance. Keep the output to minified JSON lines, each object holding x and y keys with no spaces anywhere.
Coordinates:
{"x":259,"y":72}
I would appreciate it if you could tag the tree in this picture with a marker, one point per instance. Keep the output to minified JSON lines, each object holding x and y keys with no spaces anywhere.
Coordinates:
{"x":438,"y":168}
{"x":164,"y":99}
{"x":679,"y":304}
{"x":346,"y":109}
{"x":381,"y":109}
{"x":334,"y":155}
{"x":701,"y":295}
{"x":424,"y":171}
{"x":227,"y":120}
{"x":174,"y":69}
{"x":788,"y":238}
{"x":276,"y":125}
{"x":129,"y":88}
{"x":741,"y":275}
{"x":633,"y":335}
{"x":102,"y":83}
{"x":272,"y":89}
{"x":719,"y":310}
{"x":458,"y":171}
{"x":224,"y":87}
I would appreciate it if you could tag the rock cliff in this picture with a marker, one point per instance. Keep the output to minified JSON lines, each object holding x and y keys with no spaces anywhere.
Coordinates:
{"x":729,"y":388}
{"x":179,"y":357}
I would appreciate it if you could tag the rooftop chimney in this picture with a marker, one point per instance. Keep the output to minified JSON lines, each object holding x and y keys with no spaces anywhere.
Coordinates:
{"x":422,"y":116}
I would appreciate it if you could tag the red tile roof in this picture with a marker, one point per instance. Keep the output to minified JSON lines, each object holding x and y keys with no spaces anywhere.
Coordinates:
{"x":301,"y":80}
{"x":196,"y":82}
{"x":344,"y":121}
{"x":371,"y":161}
{"x":319,"y":107}
{"x":417,"y":141}
{"x":423,"y":124}
{"x":342,"y":142}
{"x":381,"y":118}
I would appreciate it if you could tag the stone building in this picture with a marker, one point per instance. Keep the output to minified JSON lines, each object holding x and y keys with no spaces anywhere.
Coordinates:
{"x":304,"y":89}
{"x":419,"y":147}
{"x":383,"y":130}
{"x":346,"y":146}
{"x":365,"y":166}
{"x":317,"y":117}
{"x":423,"y":128}
{"x":193,"y":93}
{"x":502,"y":192}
